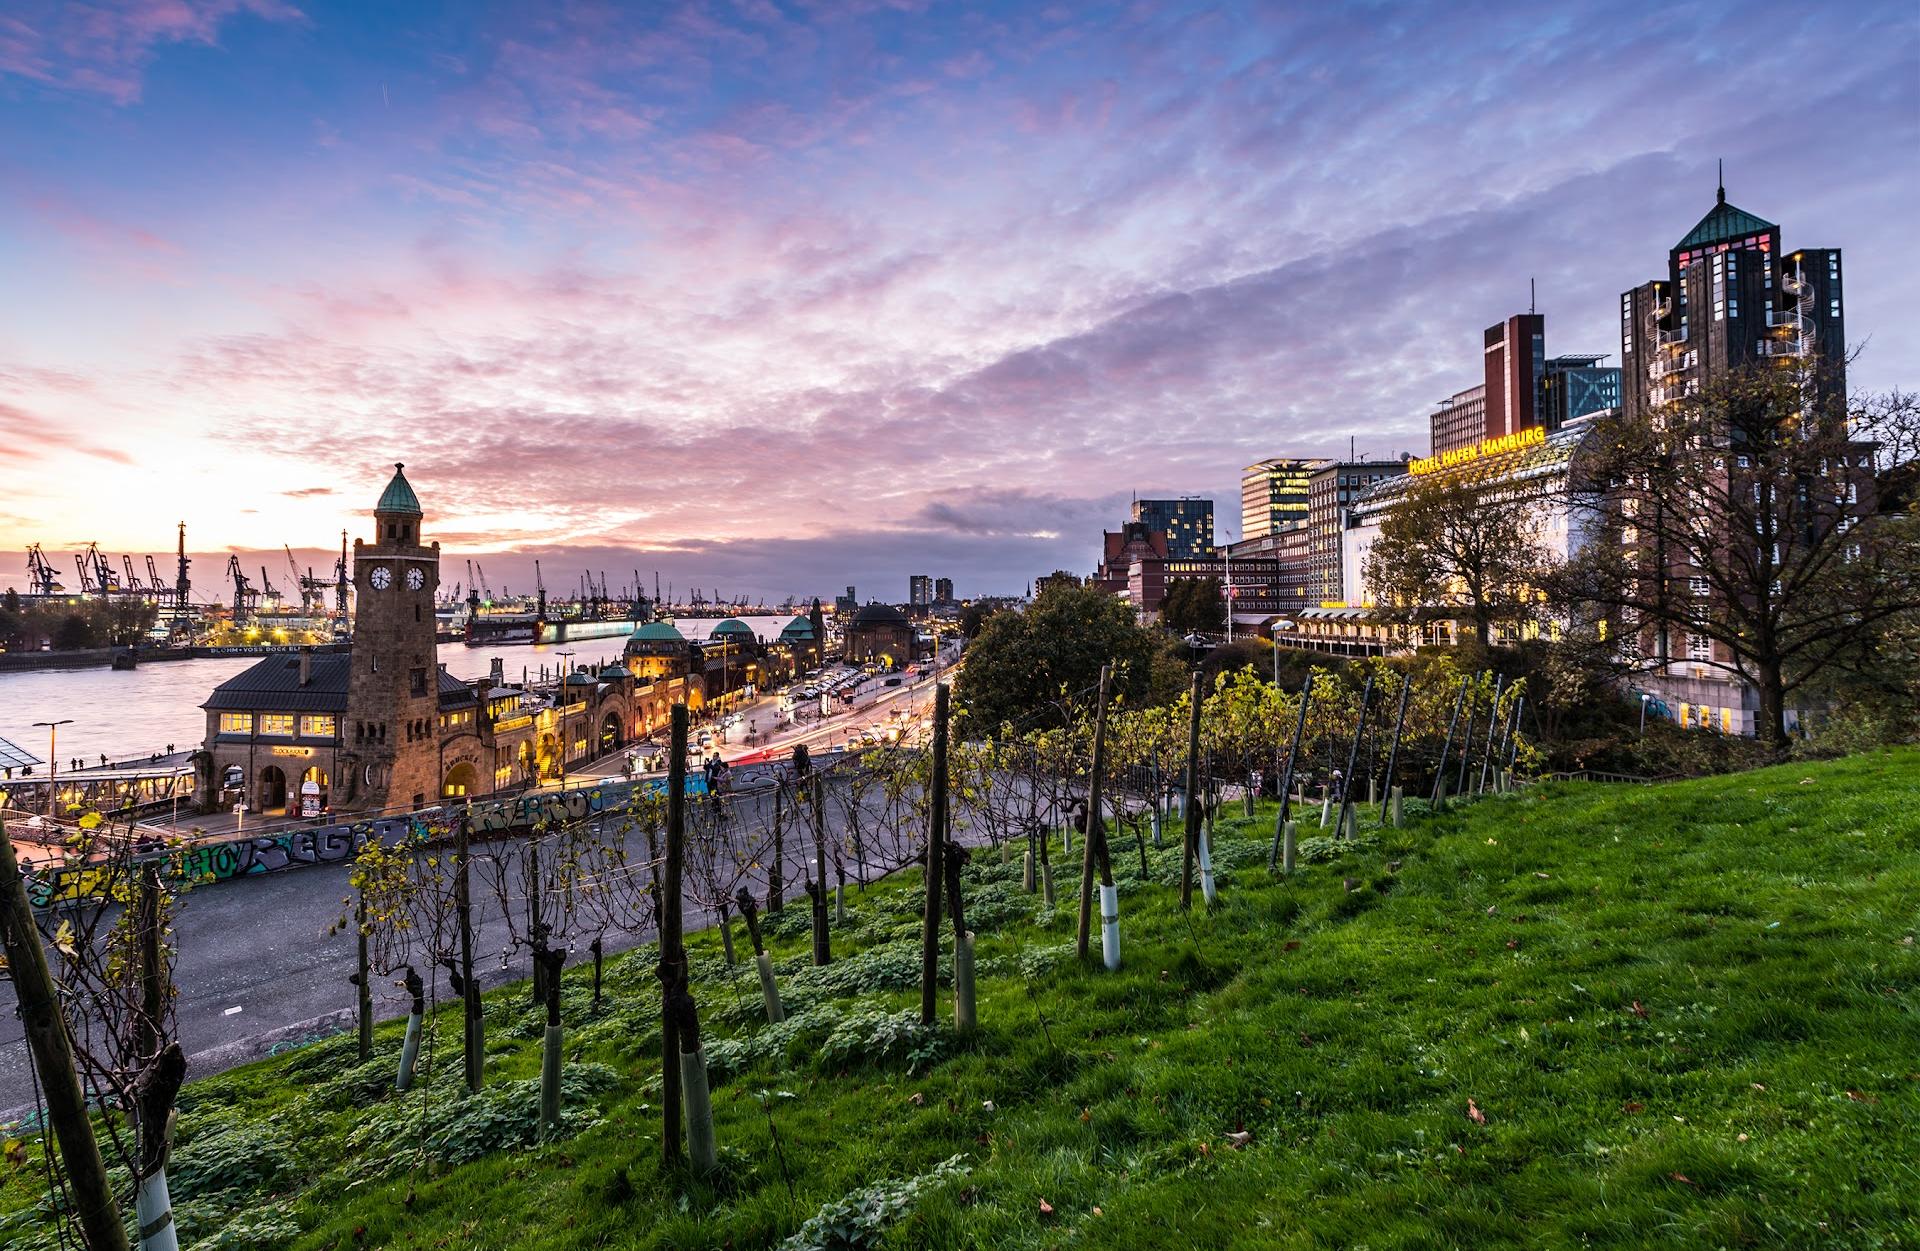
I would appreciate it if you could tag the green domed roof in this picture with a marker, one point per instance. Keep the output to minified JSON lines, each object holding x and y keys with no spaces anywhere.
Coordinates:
{"x":399,"y":496}
{"x":614,"y":673}
{"x":732,"y":625}
{"x":658,"y":631}
{"x":798,"y":628}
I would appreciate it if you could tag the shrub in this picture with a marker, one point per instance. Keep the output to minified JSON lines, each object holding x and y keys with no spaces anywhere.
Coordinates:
{"x":859,"y":1218}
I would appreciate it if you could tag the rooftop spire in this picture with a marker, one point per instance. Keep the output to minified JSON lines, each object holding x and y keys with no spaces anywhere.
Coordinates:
{"x":1723,"y":180}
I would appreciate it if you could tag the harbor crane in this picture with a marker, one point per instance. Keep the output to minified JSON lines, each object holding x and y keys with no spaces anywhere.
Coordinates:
{"x":539,"y":590}
{"x":133,"y":582}
{"x":245,"y":597}
{"x":40,"y":575}
{"x":153,"y":577}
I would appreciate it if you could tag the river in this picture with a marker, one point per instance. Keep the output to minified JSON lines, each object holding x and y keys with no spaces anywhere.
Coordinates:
{"x":132,"y":713}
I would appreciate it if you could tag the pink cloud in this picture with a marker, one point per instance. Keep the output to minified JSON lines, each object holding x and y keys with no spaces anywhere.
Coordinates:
{"x":102,"y":47}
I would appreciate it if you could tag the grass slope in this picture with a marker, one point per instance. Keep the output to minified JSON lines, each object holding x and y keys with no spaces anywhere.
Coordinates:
{"x":1686,"y":1013}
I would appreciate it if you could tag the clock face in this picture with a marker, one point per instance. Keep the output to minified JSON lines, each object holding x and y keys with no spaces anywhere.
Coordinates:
{"x":381,"y":577}
{"x":415,"y":579}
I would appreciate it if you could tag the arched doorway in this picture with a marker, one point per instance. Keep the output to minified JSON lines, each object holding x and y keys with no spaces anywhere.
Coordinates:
{"x":272,"y":792}
{"x":549,"y":755}
{"x":460,"y":780}
{"x":610,"y":736}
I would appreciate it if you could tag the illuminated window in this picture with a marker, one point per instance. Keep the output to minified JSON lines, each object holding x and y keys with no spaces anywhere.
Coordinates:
{"x":236,"y":723}
{"x":1699,"y":647}
{"x":317,"y":727}
{"x":278,"y":724}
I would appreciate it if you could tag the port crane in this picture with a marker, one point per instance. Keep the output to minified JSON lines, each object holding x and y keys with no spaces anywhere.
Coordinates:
{"x":40,"y":575}
{"x":245,"y":597}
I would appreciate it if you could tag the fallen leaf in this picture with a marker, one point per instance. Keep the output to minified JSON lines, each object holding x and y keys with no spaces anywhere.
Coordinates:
{"x":1293,"y":944}
{"x":1046,"y":1209}
{"x":1639,"y":1011}
{"x":1542,"y":875}
{"x":1740,"y":1138}
{"x":1492,"y":908}
{"x":1513,"y":944}
{"x":1632,"y":1108}
{"x":1756,"y":1085}
{"x":1086,"y":1114}
{"x":986,"y":1105}
{"x":1857,"y":1097}
{"x":1239,"y":1140}
{"x":1682,"y":1178}
{"x":1097,"y":1211}
{"x":917,"y":1099}
{"x":1475,"y":1114}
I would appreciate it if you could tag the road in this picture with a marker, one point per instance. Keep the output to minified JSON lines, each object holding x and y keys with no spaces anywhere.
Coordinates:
{"x":257,"y":967}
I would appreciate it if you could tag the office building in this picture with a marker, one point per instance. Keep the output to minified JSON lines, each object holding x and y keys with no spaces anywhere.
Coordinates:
{"x":1330,"y":492}
{"x":1273,"y":495}
{"x":1521,"y":388}
{"x":1577,"y":386}
{"x":1187,"y":522}
{"x":943,"y":590}
{"x":919,"y":591}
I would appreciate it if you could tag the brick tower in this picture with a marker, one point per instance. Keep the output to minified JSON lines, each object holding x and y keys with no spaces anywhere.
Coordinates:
{"x":392,"y":733}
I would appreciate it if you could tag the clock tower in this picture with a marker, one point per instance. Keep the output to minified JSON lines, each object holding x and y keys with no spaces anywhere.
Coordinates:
{"x":391,"y":738}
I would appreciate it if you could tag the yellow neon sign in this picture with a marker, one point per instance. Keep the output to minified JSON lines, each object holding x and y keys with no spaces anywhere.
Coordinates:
{"x":1532,"y":436}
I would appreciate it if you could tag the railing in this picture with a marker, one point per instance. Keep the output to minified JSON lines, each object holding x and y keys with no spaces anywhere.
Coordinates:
{"x":1797,"y":320}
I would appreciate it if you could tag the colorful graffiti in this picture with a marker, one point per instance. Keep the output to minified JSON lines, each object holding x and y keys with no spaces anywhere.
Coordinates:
{"x":334,"y":844}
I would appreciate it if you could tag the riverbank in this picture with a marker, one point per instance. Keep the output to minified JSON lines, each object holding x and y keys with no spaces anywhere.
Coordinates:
{"x":106,"y":657}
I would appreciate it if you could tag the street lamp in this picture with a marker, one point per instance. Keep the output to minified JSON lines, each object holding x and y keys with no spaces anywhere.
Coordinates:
{"x":564,"y":745}
{"x":1644,"y":697}
{"x":53,"y":759}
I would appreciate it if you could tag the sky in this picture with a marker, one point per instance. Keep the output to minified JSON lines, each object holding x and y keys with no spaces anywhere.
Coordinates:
{"x":776,"y":296}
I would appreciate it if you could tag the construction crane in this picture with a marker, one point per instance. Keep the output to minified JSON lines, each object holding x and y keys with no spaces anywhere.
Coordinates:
{"x":40,"y":575}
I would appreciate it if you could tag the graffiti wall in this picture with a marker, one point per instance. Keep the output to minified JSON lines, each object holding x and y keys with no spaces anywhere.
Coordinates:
{"x":334,"y":844}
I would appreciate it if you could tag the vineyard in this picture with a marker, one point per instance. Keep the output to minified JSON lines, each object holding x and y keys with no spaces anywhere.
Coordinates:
{"x":1256,"y":968}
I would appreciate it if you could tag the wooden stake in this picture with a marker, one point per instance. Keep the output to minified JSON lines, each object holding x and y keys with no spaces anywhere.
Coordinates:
{"x":46,"y":1034}
{"x":936,"y":830}
{"x":1090,"y":853}
{"x":1190,"y":806}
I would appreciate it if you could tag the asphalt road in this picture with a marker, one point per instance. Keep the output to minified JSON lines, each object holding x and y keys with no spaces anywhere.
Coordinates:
{"x":256,"y":966}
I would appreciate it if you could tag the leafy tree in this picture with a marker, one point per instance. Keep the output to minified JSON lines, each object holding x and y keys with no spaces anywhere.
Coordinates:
{"x":1023,"y":663}
{"x":1461,"y":542}
{"x":1761,"y":526}
{"x":972,"y":617}
{"x":73,"y":633}
{"x":1194,"y":605}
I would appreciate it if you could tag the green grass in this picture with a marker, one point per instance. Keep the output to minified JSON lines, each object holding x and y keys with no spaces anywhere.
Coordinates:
{"x":1764,"y":1092}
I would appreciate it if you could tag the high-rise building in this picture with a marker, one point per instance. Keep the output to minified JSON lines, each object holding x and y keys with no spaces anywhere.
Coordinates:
{"x":1521,"y":388}
{"x":943,"y":590}
{"x":1330,"y":492}
{"x":1187,"y":522}
{"x":1273,"y":495}
{"x":919,"y":590}
{"x":1516,"y":360}
{"x":1731,"y":297}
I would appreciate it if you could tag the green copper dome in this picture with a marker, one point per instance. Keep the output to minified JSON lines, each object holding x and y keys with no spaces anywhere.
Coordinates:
{"x":798,"y":628}
{"x":732,"y":626}
{"x":399,"y":496}
{"x":658,"y":631}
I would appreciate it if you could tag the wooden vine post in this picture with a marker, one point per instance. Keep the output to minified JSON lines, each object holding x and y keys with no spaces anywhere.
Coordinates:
{"x":473,"y":1032}
{"x":1388,"y":789}
{"x":1353,"y":759}
{"x":808,"y":789}
{"x":1446,"y":745}
{"x":1283,"y":821}
{"x":46,"y":1034}
{"x":936,"y":831}
{"x":1093,"y":847}
{"x":1190,"y":806}
{"x":964,"y":1019}
{"x":670,"y":970}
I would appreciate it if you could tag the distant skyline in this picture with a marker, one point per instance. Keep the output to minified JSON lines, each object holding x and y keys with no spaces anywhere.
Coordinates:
{"x":781,"y":295}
